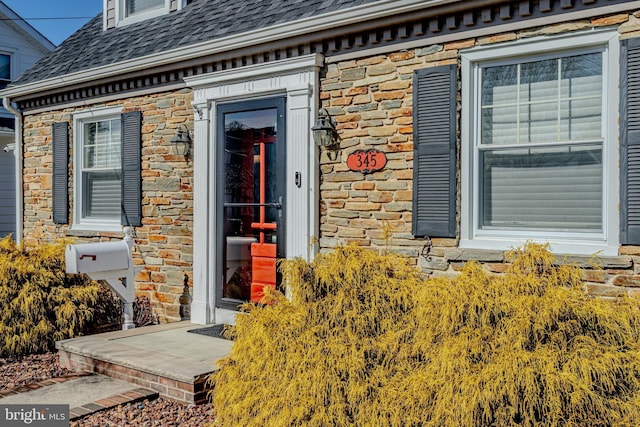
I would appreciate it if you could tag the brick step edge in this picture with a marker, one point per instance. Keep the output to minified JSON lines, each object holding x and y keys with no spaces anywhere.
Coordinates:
{"x":131,"y":396}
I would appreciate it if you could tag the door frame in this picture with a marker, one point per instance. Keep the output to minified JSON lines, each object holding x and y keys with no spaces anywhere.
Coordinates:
{"x":281,"y":143}
{"x":297,"y":80}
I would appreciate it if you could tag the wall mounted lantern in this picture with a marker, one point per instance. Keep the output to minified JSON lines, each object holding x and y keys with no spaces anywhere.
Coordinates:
{"x":324,"y":131}
{"x":182,"y":141}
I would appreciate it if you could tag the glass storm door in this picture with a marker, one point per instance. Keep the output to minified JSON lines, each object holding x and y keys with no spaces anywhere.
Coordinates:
{"x":250,"y":199}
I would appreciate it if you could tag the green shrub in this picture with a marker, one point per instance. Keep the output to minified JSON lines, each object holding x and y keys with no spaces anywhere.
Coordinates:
{"x":107,"y":313}
{"x":365,"y":342}
{"x":39,"y":303}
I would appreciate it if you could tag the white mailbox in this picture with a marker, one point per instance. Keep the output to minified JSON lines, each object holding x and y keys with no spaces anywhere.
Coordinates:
{"x":110,"y":262}
{"x":100,"y":260}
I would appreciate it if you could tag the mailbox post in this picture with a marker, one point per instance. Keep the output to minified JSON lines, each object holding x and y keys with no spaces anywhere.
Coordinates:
{"x":110,"y":262}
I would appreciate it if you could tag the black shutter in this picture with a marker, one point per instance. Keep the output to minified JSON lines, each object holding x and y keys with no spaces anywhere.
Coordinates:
{"x":131,"y":169}
{"x":630,"y":142}
{"x":60,"y":193}
{"x":434,"y":163}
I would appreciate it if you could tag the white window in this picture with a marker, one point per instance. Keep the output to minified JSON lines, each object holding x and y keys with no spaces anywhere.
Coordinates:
{"x":133,"y":7}
{"x":5,"y":70}
{"x":539,"y":153}
{"x":97,"y":148}
{"x":131,"y":11}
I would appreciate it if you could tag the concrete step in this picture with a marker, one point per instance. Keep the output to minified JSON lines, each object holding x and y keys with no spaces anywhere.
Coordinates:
{"x":84,"y":393}
{"x":167,"y":359}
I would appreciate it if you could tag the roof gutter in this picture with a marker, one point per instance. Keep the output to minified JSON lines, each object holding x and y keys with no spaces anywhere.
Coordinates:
{"x":385,"y":9}
{"x":17,"y":152}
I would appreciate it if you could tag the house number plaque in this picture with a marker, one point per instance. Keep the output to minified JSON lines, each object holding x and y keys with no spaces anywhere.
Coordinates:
{"x":366,"y":161}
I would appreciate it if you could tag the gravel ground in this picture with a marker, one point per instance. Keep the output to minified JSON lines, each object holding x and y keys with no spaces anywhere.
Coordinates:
{"x":159,"y":412}
{"x":16,"y":372}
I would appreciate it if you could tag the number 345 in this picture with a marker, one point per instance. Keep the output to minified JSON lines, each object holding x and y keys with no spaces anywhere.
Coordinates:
{"x":367,"y":160}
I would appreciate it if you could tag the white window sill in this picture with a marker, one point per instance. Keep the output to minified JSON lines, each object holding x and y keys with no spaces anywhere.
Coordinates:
{"x":102,"y":227}
{"x":577,"y":247}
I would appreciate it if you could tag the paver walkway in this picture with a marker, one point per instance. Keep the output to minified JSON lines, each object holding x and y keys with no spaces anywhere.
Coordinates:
{"x":84,"y":394}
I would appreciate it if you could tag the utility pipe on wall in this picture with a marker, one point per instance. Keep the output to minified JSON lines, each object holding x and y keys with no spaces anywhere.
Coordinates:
{"x":17,"y":152}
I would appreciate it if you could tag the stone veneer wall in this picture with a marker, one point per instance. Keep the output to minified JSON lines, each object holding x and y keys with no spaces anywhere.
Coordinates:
{"x":163,"y":245}
{"x":371,"y":99}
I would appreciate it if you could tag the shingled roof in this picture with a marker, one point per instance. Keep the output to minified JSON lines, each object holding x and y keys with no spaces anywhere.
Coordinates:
{"x":199,"y":21}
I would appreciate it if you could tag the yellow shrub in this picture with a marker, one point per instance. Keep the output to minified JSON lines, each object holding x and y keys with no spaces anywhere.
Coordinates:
{"x":365,"y":342}
{"x":39,"y":303}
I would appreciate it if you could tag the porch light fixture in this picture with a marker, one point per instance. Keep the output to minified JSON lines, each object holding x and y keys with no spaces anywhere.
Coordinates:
{"x":182,"y":141}
{"x":324,"y":131}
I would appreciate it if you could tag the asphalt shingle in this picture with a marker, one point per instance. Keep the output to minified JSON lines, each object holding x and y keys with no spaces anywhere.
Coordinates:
{"x":199,"y":21}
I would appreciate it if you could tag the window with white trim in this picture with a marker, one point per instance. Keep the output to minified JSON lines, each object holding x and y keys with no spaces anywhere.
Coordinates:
{"x":133,"y":7}
{"x":98,"y":170}
{"x":5,"y":70}
{"x":539,"y":144}
{"x":132,"y":11}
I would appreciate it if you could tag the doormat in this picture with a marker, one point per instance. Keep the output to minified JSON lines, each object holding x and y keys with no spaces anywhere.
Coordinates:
{"x":215,"y":331}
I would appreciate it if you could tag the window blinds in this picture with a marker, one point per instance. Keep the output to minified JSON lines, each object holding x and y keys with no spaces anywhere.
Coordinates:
{"x":137,"y":6}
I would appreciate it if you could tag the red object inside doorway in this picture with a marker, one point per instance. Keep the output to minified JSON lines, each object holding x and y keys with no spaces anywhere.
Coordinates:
{"x":263,"y":255}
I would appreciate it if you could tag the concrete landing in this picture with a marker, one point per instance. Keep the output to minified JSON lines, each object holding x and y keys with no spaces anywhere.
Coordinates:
{"x":164,"y":358}
{"x":84,"y":394}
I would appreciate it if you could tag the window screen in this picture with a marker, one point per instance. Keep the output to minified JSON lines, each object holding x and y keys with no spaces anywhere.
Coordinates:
{"x":101,"y":170}
{"x":540,"y":147}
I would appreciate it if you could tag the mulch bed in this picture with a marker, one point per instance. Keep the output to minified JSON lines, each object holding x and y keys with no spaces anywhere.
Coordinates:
{"x":20,"y":371}
{"x":160,"y":412}
{"x":16,"y":372}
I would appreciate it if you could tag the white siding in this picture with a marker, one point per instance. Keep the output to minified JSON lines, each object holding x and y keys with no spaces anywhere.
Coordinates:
{"x":25,"y":51}
{"x":7,"y":192}
{"x":24,"y":54}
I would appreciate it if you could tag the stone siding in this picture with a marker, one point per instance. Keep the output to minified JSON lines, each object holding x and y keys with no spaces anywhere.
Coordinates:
{"x":371,"y":99}
{"x":163,"y":245}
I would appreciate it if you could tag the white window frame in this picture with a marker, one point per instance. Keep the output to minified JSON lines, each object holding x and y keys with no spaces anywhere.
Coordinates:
{"x":122,"y":19}
{"x":471,"y":236}
{"x":79,"y":119}
{"x":11,"y":73}
{"x":13,"y":62}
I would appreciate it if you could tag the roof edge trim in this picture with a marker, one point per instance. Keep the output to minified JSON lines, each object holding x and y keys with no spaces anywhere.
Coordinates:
{"x":382,"y":9}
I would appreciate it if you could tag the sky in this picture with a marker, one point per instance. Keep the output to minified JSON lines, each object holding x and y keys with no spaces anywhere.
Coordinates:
{"x":56,"y":19}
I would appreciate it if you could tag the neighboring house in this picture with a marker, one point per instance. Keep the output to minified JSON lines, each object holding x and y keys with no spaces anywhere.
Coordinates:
{"x":21,"y":46}
{"x":499,"y":122}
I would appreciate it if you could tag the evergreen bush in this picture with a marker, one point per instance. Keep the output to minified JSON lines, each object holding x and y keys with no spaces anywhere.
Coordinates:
{"x":364,"y":341}
{"x":39,"y":302}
